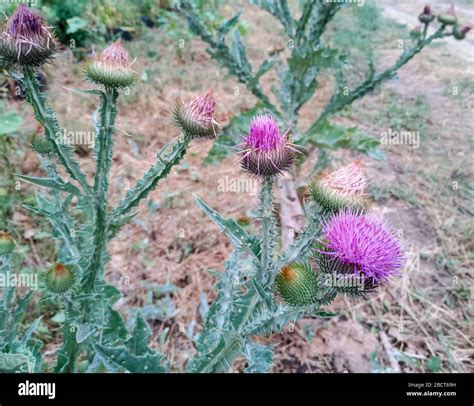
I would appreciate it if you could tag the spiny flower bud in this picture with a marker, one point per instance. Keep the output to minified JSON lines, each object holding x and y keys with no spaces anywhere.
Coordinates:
{"x":297,"y":284}
{"x":426,"y":17}
{"x":196,"y":118}
{"x":361,"y":244}
{"x":59,"y":278}
{"x":448,"y":18}
{"x":6,"y":243}
{"x":265,"y":151}
{"x":25,"y":39}
{"x":41,"y":144}
{"x":460,"y":33}
{"x":343,"y":188}
{"x":111,"y":68}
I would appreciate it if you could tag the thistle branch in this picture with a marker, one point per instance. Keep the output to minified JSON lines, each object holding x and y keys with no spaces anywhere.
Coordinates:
{"x":46,"y":117}
{"x":337,"y":102}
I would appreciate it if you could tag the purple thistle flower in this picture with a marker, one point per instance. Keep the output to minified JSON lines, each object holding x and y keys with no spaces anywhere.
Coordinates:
{"x":362,"y":243}
{"x":266,"y":151}
{"x":25,"y":39}
{"x":264,"y":134}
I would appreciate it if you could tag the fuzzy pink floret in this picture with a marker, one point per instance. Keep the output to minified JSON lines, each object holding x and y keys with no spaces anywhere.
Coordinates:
{"x":264,"y":134}
{"x":363,"y":242}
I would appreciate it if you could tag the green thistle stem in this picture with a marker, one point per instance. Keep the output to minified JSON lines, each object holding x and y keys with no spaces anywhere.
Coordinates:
{"x":108,"y":111}
{"x":46,"y":117}
{"x":267,"y":229}
{"x":165,"y":160}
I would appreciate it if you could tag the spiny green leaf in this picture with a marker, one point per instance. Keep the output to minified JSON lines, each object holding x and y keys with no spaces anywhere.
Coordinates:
{"x":52,"y":184}
{"x":238,"y":236}
{"x":116,"y":358}
{"x":259,"y":357}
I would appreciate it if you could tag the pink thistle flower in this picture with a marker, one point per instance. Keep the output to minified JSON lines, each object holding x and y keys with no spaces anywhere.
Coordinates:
{"x":197,"y":118}
{"x":25,"y":39}
{"x":342,"y":188}
{"x":363,"y":244}
{"x":266,"y":151}
{"x":111,"y":68}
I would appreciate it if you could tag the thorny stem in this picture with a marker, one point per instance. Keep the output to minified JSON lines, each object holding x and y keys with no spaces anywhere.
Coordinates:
{"x":46,"y":118}
{"x":266,"y":229}
{"x":101,"y":184}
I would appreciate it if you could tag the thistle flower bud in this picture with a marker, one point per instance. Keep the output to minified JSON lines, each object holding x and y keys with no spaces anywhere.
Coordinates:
{"x":265,"y":151}
{"x":41,"y":145}
{"x":59,"y":278}
{"x":426,"y":17}
{"x":196,"y":118}
{"x":297,"y":284}
{"x":6,"y":243}
{"x":26,"y":40}
{"x":360,"y":244}
{"x":460,"y":33}
{"x":448,"y":18}
{"x":111,"y":68}
{"x":341,"y":189}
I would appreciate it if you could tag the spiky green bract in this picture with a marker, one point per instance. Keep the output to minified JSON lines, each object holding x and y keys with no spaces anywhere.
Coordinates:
{"x":329,"y":200}
{"x":111,"y":68}
{"x":297,"y":284}
{"x":25,"y":40}
{"x":341,"y":189}
{"x":41,"y":144}
{"x":109,"y":78}
{"x":448,"y":18}
{"x":59,"y":278}
{"x":426,"y":16}
{"x":196,"y":118}
{"x":6,"y":243}
{"x":460,"y":33}
{"x":340,"y":278}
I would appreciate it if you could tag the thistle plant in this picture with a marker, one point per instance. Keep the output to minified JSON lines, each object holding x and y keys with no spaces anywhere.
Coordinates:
{"x":299,"y":67}
{"x":343,"y":250}
{"x":94,"y":335}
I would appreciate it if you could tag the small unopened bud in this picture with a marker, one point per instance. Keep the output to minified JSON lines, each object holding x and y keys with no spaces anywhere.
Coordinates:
{"x":111,"y":68}
{"x":59,"y":278}
{"x":426,"y":17}
{"x":448,"y":18}
{"x":297,"y":284}
{"x":460,"y":33}
{"x":196,"y":118}
{"x":6,"y":243}
{"x":416,"y":33}
{"x":266,"y":152}
{"x":26,"y":40}
{"x":41,"y":144}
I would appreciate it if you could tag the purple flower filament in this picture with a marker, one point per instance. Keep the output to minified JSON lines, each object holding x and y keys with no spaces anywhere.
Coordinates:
{"x":363,"y":243}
